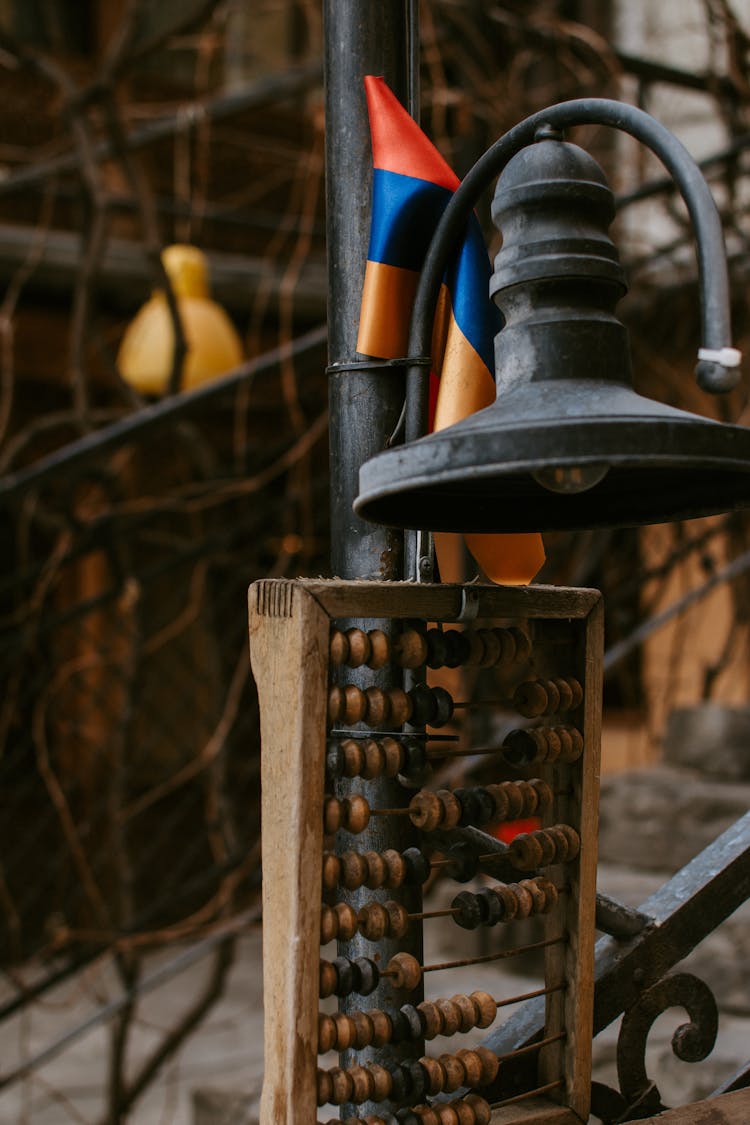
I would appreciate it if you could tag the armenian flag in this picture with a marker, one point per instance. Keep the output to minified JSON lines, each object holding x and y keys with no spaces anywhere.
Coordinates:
{"x":412,"y":184}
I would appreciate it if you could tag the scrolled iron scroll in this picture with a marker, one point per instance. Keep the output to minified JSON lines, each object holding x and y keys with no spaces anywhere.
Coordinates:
{"x":691,"y":1042}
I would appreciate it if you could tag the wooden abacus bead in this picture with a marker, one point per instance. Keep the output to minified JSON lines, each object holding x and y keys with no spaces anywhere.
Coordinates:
{"x":451,"y":1016}
{"x":410,"y":649}
{"x":359,"y":647}
{"x":510,"y":903}
{"x":574,"y":840}
{"x":515,"y":799}
{"x":481,"y":1108}
{"x":362,"y":1083}
{"x":425,"y":810}
{"x":398,"y":919}
{"x":577,"y":690}
{"x":395,"y":868}
{"x":373,"y":755}
{"x":324,"y":1087}
{"x":443,"y":707}
{"x":331,"y":870}
{"x":500,"y":800}
{"x":352,"y":705}
{"x":328,"y":924}
{"x":432,"y":1020}
{"x":566,"y":693}
{"x":549,"y":890}
{"x":394,"y":755}
{"x":530,"y":798}
{"x":469,"y":806}
{"x":345,"y":1031}
{"x":382,"y":1027}
{"x":342,"y":1086}
{"x":553,"y":747}
{"x":415,"y":761}
{"x":355,"y":814}
{"x":451,"y":808}
{"x":550,"y":844}
{"x":458,"y":648}
{"x":508,"y":645}
{"x":401,"y":706}
{"x":476,"y":648}
{"x":425,"y":1115}
{"x":524,"y":900}
{"x":437,"y":648}
{"x":382,"y":1082}
{"x":346,"y":917}
{"x":411,"y":1027}
{"x":493,"y":648}
{"x":352,"y":870}
{"x":374,"y":870}
{"x":523,"y":644}
{"x":351,"y":751}
{"x":347,"y":977}
{"x":455,"y":1073}
{"x":327,"y":1040}
{"x":522,"y":747}
{"x":463,"y":1111}
{"x":336,"y":703}
{"x":424,"y":705}
{"x":466,"y":1009}
{"x":530,"y":699}
{"x":572,"y":747}
{"x":538,"y":897}
{"x":472,"y":1067}
{"x":559,"y":845}
{"x":338,"y":647}
{"x":434,"y":1075}
{"x":417,"y":867}
{"x":490,"y":1065}
{"x":553,"y":697}
{"x":380,"y":649}
{"x":335,"y":761}
{"x":367,"y":975}
{"x":485,"y":1008}
{"x":468,"y":911}
{"x":525,"y":851}
{"x":377,"y":707}
{"x":373,"y":921}
{"x":491,"y":906}
{"x":546,"y":797}
{"x":405,"y":971}
{"x":331,"y":815}
{"x":328,"y":979}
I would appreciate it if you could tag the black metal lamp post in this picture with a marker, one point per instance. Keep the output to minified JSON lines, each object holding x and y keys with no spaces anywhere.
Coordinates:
{"x":568,"y":443}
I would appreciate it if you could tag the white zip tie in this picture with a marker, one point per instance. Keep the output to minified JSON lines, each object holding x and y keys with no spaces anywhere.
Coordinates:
{"x":725,"y":357}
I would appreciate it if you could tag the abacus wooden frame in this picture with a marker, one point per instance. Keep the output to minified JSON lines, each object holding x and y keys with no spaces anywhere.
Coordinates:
{"x":290,"y":623}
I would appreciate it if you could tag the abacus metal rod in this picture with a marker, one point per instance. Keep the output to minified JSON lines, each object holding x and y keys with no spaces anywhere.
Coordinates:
{"x":529,"y":1094}
{"x":529,"y":1047}
{"x":502,"y":955}
{"x":506,"y":1000}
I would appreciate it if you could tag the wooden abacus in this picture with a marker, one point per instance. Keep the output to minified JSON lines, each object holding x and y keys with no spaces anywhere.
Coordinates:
{"x":548,"y":641}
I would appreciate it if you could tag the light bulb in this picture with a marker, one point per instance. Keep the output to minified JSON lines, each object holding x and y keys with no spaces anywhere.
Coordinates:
{"x":568,"y":479}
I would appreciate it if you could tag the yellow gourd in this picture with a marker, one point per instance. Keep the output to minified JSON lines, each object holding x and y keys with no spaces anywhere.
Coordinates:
{"x":145,"y":355}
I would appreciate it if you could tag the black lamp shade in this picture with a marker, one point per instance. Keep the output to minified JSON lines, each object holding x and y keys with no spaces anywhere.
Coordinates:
{"x":476,"y":476}
{"x":567,"y":443}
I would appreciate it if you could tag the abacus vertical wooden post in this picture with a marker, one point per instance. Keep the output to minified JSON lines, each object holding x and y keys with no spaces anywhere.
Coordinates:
{"x":289,"y":631}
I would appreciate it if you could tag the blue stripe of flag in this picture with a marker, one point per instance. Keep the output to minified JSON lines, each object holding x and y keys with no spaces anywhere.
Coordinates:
{"x":405,"y":212}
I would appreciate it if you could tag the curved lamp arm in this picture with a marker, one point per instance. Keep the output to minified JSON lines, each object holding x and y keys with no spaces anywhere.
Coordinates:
{"x":717,"y":371}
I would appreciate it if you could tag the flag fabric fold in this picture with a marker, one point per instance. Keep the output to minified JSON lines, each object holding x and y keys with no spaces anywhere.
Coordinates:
{"x":412,"y":184}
